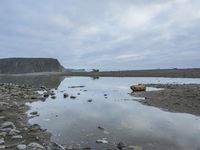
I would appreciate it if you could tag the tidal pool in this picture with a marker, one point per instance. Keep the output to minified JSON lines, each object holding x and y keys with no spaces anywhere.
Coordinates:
{"x":76,"y":121}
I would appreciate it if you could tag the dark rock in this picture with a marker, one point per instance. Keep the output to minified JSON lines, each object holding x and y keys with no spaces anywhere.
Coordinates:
{"x":46,"y":94}
{"x":90,"y":100}
{"x":121,"y":145}
{"x":53,"y":97}
{"x":65,"y":95}
{"x":73,"y":97}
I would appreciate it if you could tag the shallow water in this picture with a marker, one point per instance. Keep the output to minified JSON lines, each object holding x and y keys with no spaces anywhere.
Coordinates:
{"x":75,"y":121}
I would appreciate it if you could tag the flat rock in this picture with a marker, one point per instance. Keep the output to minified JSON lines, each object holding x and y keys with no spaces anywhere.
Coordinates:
{"x":35,"y":146}
{"x":2,"y":141}
{"x":8,"y":124}
{"x":13,"y":132}
{"x":17,"y":137}
{"x":21,"y":147}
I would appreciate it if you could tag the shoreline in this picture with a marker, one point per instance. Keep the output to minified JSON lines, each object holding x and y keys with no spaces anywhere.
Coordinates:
{"x":172,"y":73}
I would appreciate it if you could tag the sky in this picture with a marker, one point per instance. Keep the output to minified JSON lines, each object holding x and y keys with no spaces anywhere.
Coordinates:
{"x":103,"y":34}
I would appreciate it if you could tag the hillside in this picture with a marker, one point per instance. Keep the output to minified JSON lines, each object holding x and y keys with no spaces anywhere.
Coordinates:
{"x":29,"y":65}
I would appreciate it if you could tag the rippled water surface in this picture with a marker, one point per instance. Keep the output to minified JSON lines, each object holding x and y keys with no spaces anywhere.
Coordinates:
{"x":76,"y":121}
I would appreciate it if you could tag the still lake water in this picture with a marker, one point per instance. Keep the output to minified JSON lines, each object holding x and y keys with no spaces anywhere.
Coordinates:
{"x":75,"y":121}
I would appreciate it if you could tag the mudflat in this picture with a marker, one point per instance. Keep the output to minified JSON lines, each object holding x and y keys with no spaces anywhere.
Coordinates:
{"x":174,"y":73}
{"x":184,"y":98}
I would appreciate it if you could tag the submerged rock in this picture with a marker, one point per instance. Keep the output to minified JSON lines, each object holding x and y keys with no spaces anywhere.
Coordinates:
{"x":65,"y":95}
{"x":34,"y":113}
{"x":73,"y":97}
{"x":90,"y":100}
{"x":53,"y":97}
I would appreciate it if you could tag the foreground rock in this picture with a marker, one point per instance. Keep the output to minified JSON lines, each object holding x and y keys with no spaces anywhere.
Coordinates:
{"x":138,"y":88}
{"x":14,"y":128}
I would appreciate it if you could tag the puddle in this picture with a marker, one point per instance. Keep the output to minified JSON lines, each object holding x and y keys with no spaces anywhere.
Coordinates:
{"x":77,"y":121}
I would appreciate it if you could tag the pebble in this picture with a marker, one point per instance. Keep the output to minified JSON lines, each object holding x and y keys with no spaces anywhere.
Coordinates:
{"x":35,"y":113}
{"x":121,"y":145}
{"x":2,"y":141}
{"x":8,"y":124}
{"x":34,"y":146}
{"x":21,"y":147}
{"x":65,"y":95}
{"x":72,"y":97}
{"x":2,"y":147}
{"x":7,"y":130}
{"x":90,"y":100}
{"x":13,"y":132}
{"x":3,"y":134}
{"x":103,"y":141}
{"x":17,"y":137}
{"x":53,"y":97}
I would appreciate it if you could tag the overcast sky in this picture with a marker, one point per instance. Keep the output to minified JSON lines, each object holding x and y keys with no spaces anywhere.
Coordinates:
{"x":104,"y":34}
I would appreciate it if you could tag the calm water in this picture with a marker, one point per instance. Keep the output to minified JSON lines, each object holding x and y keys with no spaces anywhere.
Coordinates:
{"x":76,"y":121}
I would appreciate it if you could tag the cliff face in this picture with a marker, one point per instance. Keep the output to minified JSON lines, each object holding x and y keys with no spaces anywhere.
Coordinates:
{"x":29,"y":65}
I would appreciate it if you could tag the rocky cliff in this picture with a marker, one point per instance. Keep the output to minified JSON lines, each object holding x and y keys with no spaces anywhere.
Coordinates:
{"x":29,"y":65}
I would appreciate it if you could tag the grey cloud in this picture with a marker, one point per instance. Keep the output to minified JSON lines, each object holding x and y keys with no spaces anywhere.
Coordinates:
{"x":107,"y":34}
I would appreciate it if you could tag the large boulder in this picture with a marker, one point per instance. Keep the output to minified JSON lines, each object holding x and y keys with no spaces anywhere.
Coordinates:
{"x":138,"y":88}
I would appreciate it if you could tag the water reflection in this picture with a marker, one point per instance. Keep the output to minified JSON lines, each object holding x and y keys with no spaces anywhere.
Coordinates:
{"x":76,"y":121}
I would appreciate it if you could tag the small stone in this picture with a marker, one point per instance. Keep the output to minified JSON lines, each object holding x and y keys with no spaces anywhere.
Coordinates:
{"x":7,"y":130}
{"x":34,"y":97}
{"x":34,"y":146}
{"x":53,"y":97}
{"x":90,"y":100}
{"x":13,"y":132}
{"x":2,"y":141}
{"x":121,"y":145}
{"x":2,"y":117}
{"x":21,"y":147}
{"x":52,"y":93}
{"x":73,"y":97}
{"x":2,"y":147}
{"x":8,"y":124}
{"x":35,"y":113}
{"x":46,"y":94}
{"x":65,"y":95}
{"x":37,"y":138}
{"x":103,"y":141}
{"x":3,"y":134}
{"x":17,"y":137}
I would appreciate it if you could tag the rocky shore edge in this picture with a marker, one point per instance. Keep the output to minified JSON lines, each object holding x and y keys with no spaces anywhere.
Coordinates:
{"x":15,"y":131}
